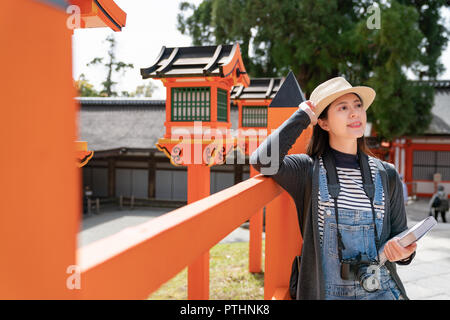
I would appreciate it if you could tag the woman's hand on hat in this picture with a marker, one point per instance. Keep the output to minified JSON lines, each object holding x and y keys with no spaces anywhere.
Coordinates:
{"x":309,"y":108}
{"x":395,"y":252}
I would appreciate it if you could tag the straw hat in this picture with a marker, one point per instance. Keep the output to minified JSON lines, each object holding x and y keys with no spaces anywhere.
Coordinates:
{"x":330,"y":90}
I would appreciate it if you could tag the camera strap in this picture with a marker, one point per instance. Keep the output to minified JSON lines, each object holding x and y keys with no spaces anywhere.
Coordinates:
{"x":333,"y":188}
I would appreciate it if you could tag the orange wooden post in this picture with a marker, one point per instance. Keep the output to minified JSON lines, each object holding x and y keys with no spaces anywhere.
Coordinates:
{"x":283,"y":243}
{"x":255,"y":241}
{"x":198,"y":272}
{"x":39,"y":185}
{"x":283,"y":238}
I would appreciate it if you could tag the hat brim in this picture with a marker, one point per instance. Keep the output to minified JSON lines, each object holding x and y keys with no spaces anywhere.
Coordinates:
{"x":367,"y":95}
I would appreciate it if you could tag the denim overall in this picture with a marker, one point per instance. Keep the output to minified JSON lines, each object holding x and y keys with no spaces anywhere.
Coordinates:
{"x":357,"y":230}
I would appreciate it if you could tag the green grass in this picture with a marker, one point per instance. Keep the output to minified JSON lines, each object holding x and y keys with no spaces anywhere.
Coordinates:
{"x":229,"y":278}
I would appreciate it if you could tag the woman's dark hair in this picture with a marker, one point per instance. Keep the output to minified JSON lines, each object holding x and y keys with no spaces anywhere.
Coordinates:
{"x":320,"y":139}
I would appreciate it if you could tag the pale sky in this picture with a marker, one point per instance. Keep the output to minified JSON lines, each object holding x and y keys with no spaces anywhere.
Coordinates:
{"x":150,"y":25}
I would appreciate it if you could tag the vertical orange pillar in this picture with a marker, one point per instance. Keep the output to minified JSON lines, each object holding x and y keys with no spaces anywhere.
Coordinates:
{"x":198,"y":272}
{"x":213,"y":108}
{"x":408,"y":178}
{"x":255,"y":241}
{"x":39,"y":185}
{"x":168,"y":110}
{"x":283,"y":238}
{"x":283,"y":243}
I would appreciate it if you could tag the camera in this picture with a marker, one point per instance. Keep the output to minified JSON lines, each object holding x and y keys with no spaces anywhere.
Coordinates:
{"x":363,"y":270}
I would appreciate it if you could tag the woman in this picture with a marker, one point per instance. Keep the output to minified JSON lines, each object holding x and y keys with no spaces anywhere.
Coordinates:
{"x":338,"y":249}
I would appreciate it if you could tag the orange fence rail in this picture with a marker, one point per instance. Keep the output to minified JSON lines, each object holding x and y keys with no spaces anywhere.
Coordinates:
{"x":136,"y":261}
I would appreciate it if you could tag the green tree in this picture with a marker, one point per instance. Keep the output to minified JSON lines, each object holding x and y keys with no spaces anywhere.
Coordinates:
{"x":320,"y":39}
{"x":112,"y":66}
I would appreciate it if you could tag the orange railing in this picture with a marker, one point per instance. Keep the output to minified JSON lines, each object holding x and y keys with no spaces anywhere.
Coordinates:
{"x":136,"y":261}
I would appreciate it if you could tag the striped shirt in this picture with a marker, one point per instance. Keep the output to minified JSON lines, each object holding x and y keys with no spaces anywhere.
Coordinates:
{"x":351,"y":194}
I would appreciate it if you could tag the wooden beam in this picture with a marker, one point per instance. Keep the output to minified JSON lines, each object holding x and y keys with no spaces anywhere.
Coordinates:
{"x":152,"y":176}
{"x":237,"y":173}
{"x":111,"y":177}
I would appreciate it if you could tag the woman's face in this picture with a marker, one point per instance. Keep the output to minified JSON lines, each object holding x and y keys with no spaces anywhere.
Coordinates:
{"x":346,"y":117}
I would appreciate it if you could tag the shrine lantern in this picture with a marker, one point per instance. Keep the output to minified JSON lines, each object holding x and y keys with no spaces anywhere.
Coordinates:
{"x":253,"y":102}
{"x":198,"y":81}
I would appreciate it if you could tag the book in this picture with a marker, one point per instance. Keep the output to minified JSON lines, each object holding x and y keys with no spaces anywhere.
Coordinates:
{"x":412,"y":234}
{"x":416,"y":232}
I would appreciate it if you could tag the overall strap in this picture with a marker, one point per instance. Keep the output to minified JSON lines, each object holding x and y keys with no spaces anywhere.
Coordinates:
{"x":333,"y":188}
{"x":369,"y":189}
{"x":368,"y":186}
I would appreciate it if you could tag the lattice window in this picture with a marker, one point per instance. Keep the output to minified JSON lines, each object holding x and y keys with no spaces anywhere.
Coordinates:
{"x":191,"y":104}
{"x":426,"y":163}
{"x":222,"y":105}
{"x":254,"y":116}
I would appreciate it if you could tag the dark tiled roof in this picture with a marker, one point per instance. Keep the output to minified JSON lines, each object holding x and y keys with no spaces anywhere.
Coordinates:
{"x":107,"y":127}
{"x":190,"y":61}
{"x":125,"y":123}
{"x":98,"y":101}
{"x":259,"y":88}
{"x":440,"y":124}
{"x":438,"y":84}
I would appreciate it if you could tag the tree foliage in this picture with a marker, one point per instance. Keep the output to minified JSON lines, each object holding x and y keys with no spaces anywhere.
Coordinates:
{"x":320,"y":39}
{"x":112,"y":66}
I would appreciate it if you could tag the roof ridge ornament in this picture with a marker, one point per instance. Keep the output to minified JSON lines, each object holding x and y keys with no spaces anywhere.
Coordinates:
{"x":289,"y":94}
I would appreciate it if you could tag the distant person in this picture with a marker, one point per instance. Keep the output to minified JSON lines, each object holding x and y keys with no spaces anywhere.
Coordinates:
{"x":405,"y":190}
{"x":439,"y":203}
{"x":87,"y":193}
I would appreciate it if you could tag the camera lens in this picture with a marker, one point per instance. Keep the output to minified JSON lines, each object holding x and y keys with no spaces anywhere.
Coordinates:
{"x":369,"y":281}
